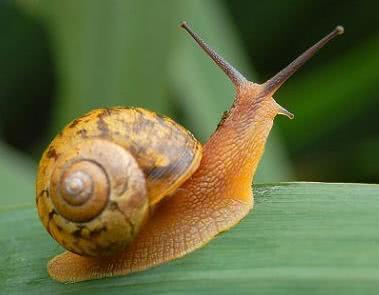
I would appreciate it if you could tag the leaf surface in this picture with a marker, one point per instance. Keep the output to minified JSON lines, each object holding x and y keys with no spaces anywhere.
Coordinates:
{"x":301,"y":238}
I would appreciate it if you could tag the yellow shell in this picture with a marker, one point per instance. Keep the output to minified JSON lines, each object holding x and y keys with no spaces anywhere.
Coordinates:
{"x":102,"y":175}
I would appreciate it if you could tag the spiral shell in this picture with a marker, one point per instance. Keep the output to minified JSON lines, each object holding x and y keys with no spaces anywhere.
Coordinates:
{"x":99,"y":178}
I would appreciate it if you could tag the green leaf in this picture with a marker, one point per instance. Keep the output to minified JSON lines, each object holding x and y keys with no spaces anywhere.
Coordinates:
{"x":301,"y":238}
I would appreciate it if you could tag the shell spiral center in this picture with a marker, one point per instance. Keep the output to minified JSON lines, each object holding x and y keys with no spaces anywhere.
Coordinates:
{"x":80,"y":191}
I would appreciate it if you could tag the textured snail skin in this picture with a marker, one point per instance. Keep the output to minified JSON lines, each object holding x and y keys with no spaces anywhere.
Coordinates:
{"x":215,"y":198}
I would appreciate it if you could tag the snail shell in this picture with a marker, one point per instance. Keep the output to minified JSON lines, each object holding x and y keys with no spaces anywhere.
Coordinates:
{"x":103,"y":174}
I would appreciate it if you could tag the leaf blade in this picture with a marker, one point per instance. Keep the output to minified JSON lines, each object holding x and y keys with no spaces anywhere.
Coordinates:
{"x":301,"y":238}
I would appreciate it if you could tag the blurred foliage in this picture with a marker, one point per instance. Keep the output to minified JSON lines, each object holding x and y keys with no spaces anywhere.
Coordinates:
{"x":59,"y":59}
{"x":15,"y":174}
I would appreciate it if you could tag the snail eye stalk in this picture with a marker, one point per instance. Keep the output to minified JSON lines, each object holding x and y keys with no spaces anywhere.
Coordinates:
{"x":272,"y":85}
{"x":234,"y":75}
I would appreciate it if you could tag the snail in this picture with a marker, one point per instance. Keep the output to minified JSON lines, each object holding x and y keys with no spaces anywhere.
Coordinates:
{"x":125,"y":189}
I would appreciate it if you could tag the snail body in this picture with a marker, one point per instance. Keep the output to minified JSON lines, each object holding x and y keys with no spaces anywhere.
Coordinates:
{"x":126,"y":189}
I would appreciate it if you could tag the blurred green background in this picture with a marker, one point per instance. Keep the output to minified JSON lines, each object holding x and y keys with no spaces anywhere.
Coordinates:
{"x":60,"y":59}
